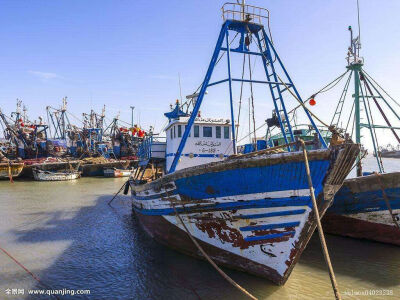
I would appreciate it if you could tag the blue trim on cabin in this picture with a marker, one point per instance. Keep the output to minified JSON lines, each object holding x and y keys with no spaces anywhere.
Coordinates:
{"x":274,"y":214}
{"x":268,"y":236}
{"x":347,"y":202}
{"x":269,"y":226}
{"x":261,"y":203}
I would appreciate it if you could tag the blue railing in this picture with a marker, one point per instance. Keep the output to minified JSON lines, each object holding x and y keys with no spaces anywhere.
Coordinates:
{"x":145,"y":147}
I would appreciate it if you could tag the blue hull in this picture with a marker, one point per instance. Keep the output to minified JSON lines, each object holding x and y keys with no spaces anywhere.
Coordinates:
{"x":360,"y":210}
{"x":253,"y":214}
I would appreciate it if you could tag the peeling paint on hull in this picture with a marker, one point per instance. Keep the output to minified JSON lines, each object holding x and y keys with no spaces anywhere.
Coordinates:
{"x":253,"y":214}
{"x":360,"y":211}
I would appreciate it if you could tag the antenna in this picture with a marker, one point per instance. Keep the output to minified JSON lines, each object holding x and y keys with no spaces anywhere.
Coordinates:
{"x":180,"y":87}
{"x":358,"y":17}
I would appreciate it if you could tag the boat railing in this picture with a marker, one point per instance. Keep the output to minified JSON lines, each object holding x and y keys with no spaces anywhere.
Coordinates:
{"x":247,"y":13}
{"x":145,"y":151}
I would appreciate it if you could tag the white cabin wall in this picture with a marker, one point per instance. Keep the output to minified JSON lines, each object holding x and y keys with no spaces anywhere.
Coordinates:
{"x":197,"y":149}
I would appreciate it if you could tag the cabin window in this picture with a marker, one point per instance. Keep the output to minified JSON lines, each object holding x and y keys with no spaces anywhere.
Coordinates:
{"x":174,"y":132}
{"x":185,"y":130}
{"x":218,"y":132}
{"x":179,"y":130}
{"x":172,"y":136}
{"x":226,"y":132}
{"x":207,"y":131}
{"x":196,"y":131}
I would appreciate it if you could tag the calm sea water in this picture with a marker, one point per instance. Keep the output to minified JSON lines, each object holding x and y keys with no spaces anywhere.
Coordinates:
{"x":67,"y":235}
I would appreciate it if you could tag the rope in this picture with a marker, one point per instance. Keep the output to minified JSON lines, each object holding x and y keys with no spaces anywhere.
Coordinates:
{"x":185,"y":283}
{"x":26,"y":270}
{"x":119,"y":191}
{"x":219,"y":270}
{"x":252,"y":132}
{"x":223,"y":53}
{"x":252,"y":105}
{"x":319,"y":226}
{"x":323,"y":90}
{"x":301,"y":103}
{"x":381,"y":111}
{"x":387,"y":200}
{"x":241,"y":94}
{"x":369,"y":77}
{"x":377,"y":153}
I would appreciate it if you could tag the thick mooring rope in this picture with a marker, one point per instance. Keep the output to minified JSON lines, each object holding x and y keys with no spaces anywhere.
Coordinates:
{"x":319,"y":226}
{"x":223,"y":274}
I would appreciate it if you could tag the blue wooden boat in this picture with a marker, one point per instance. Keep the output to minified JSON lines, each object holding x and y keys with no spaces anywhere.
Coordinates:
{"x":361,"y":211}
{"x":250,"y":212}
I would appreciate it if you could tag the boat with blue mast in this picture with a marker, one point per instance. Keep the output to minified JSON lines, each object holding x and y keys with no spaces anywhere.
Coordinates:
{"x":251,"y":212}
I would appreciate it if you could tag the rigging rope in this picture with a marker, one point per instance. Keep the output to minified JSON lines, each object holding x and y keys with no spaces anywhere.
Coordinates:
{"x":381,"y":111}
{"x":351,"y":113}
{"x":323,"y":90}
{"x":252,"y":105}
{"x":27,"y":271}
{"x":75,"y":117}
{"x":223,"y":53}
{"x":241,"y":94}
{"x":342,"y":99}
{"x":208,"y":258}
{"x":369,"y":77}
{"x":301,"y":103}
{"x":387,"y":200}
{"x":377,"y":153}
{"x":370,"y":122}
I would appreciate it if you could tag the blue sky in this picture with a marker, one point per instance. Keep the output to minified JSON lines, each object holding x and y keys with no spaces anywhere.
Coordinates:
{"x":123,"y":53}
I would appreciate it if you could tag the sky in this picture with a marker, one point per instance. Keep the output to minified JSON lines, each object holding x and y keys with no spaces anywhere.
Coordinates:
{"x":131,"y":53}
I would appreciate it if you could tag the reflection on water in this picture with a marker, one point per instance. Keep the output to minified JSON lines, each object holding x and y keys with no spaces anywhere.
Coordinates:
{"x":67,"y":234}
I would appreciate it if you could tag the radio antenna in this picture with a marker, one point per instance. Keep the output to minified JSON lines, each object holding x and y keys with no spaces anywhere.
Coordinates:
{"x":358,"y":16}
{"x":180,"y":87}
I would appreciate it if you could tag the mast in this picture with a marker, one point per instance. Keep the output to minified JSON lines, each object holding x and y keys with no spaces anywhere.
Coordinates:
{"x":247,"y":22}
{"x":355,"y":63}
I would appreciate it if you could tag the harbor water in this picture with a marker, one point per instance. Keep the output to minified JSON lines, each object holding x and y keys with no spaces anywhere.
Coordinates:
{"x":67,"y":236}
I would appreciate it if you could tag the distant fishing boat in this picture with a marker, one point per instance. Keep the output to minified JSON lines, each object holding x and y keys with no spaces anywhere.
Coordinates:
{"x":389,"y":152}
{"x":10,"y":169}
{"x":96,"y":166}
{"x":114,"y":172}
{"x":48,"y":164}
{"x":41,"y":175}
{"x":250,"y":212}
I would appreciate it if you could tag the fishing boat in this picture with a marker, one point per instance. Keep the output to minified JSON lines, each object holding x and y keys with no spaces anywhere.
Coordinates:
{"x":367,"y":206}
{"x":114,"y":172}
{"x":51,"y":164}
{"x":41,"y":175}
{"x":10,"y":170}
{"x":389,"y":151}
{"x":95,"y":166}
{"x":251,"y":212}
